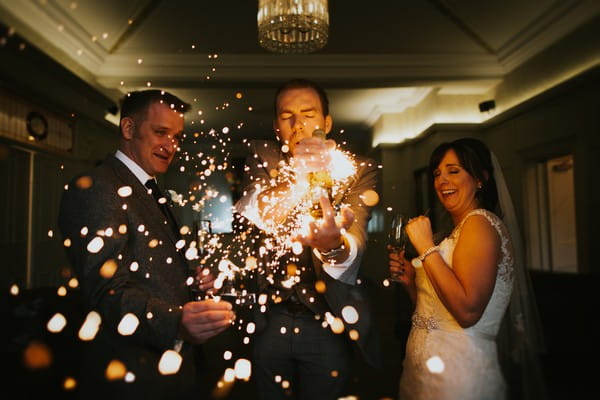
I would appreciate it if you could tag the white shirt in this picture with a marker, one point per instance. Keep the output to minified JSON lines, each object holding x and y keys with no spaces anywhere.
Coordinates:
{"x":133,"y":167}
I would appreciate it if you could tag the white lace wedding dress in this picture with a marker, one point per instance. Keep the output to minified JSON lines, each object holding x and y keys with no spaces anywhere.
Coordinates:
{"x":445,"y":361}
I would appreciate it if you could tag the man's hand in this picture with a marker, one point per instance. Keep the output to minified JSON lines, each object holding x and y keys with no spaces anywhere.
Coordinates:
{"x":326,"y":234}
{"x":204,"y":319}
{"x":312,"y":154}
{"x":205,"y":278}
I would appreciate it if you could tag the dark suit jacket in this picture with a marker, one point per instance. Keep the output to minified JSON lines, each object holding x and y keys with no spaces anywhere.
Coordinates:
{"x":348,"y":289}
{"x":125,"y":228}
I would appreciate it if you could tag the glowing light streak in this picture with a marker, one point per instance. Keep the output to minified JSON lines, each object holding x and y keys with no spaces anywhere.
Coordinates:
{"x":350,"y":314}
{"x":170,"y":362}
{"x":57,"y":323}
{"x":91,"y":325}
{"x":108,"y":269}
{"x":37,"y":355}
{"x":128,"y":324}
{"x":84,"y":182}
{"x":435,"y":364}
{"x":14,"y":289}
{"x":191,"y":253}
{"x":69,"y":383}
{"x":125,"y":191}
{"x":95,"y":245}
{"x":115,"y":370}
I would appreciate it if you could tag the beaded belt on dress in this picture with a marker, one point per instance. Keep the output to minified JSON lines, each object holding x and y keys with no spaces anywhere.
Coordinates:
{"x":430,"y":323}
{"x":421,"y":322}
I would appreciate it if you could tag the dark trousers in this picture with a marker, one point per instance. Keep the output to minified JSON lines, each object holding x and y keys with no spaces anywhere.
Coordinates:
{"x":296,"y":358}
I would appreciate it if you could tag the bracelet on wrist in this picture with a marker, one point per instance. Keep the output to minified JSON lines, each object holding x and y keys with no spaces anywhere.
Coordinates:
{"x":417,"y":262}
{"x":332,"y":253}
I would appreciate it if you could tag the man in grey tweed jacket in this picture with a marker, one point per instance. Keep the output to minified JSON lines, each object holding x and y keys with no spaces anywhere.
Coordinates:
{"x":121,"y":243}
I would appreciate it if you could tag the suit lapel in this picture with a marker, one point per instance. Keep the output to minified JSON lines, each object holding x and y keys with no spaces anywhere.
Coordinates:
{"x":142,"y":198}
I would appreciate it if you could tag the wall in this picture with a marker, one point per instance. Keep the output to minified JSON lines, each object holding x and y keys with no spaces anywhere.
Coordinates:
{"x":35,"y":173}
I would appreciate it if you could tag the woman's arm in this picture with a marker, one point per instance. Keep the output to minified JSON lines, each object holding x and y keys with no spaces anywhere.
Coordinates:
{"x":466,"y":288}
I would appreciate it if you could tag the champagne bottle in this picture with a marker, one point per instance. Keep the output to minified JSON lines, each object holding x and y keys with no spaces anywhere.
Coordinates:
{"x":320,"y":183}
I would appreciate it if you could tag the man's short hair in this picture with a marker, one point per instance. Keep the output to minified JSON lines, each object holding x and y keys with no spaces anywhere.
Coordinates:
{"x":135,"y":104}
{"x":303,"y":84}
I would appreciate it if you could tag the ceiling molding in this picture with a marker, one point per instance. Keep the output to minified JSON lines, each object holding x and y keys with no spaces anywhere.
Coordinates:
{"x":364,"y":69}
{"x":41,"y":25}
{"x":554,"y":24}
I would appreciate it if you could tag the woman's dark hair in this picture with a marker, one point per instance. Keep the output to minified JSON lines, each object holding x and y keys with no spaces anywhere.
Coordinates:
{"x":136,"y":104}
{"x":476,"y":159}
{"x":303,"y":84}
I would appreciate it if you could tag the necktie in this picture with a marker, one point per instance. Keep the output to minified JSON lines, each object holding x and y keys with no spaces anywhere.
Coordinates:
{"x":161,"y":200}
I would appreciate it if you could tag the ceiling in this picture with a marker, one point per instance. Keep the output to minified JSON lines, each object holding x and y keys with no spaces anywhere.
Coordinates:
{"x":383,"y":56}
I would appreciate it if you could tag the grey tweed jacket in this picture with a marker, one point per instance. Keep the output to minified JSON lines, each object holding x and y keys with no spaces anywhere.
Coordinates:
{"x":125,"y":258}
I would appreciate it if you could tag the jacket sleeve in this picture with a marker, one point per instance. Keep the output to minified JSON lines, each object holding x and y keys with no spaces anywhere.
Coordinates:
{"x":366,"y":179}
{"x":105,"y":252}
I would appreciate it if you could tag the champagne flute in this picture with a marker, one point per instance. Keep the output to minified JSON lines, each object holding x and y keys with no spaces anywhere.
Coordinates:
{"x":397,"y":237}
{"x":202,"y":231}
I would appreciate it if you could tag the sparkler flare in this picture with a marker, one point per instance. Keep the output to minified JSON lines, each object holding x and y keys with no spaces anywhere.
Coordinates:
{"x":37,"y":355}
{"x":108,"y":269}
{"x":14,"y":290}
{"x":435,"y":364}
{"x":350,"y":314}
{"x":91,"y":325}
{"x":243,"y":369}
{"x":115,"y":370}
{"x":125,"y":191}
{"x":84,"y":182}
{"x":95,"y":245}
{"x":128,"y":324}
{"x":69,"y":383}
{"x":370,"y":197}
{"x":57,"y":323}
{"x":170,"y":362}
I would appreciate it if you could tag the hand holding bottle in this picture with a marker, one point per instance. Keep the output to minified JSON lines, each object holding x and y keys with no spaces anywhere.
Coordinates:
{"x":326,"y":233}
{"x":312,"y":154}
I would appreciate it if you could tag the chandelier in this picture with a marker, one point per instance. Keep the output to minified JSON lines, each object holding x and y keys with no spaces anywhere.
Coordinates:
{"x":293,"y":26}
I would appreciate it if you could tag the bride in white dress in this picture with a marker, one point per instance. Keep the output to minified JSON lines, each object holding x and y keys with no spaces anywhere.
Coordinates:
{"x":462,"y":287}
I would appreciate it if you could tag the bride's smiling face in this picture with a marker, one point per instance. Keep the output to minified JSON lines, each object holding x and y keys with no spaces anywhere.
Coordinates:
{"x":454,"y":186}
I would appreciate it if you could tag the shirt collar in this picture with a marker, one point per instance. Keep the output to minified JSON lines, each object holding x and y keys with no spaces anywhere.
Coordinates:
{"x":138,"y":171}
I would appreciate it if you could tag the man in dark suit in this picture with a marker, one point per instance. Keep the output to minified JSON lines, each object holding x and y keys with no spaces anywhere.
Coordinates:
{"x":314,"y":307}
{"x":125,"y":247}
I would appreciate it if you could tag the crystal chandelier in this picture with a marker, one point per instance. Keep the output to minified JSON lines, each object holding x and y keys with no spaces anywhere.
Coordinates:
{"x":293,"y":26}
